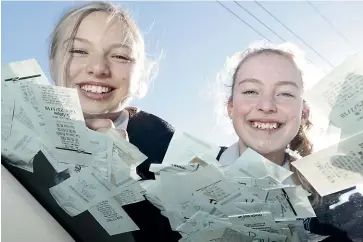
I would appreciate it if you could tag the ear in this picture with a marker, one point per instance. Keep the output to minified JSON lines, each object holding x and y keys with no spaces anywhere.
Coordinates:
{"x":305,"y":112}
{"x":230,"y":108}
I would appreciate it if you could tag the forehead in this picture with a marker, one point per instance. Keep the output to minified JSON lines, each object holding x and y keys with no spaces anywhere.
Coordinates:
{"x":269,"y":68}
{"x":100,"y":27}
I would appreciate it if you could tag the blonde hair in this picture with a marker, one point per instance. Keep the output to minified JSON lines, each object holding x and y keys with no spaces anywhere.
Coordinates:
{"x":60,"y":58}
{"x":300,"y":144}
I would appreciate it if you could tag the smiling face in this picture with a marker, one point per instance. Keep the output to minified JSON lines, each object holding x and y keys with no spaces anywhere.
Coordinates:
{"x":102,"y":63}
{"x":266,"y":104}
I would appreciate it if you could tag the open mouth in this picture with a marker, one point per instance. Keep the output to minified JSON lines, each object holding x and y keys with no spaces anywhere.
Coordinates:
{"x":96,"y":92}
{"x":96,"y":89}
{"x":266,"y":126}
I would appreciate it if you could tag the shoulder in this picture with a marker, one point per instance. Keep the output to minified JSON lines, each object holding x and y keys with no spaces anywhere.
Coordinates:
{"x":151,"y":135}
{"x":147,"y":121}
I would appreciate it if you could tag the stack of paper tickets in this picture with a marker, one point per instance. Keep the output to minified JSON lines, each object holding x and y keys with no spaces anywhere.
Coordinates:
{"x":37,"y":117}
{"x":246,"y":201}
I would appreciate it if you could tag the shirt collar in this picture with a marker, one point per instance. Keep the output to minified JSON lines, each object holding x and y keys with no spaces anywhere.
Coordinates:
{"x":122,"y":121}
{"x":230,"y":155}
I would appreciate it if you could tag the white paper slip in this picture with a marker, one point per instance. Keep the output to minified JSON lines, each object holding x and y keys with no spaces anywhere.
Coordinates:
{"x":184,"y":147}
{"x":125,"y":151}
{"x":7,"y":111}
{"x":172,"y":168}
{"x":293,"y":201}
{"x":130,"y":194}
{"x":218,"y":190}
{"x":231,"y":235}
{"x":335,"y":168}
{"x":255,"y":207}
{"x":202,"y":221}
{"x":101,"y":149}
{"x":23,"y":71}
{"x":112,"y":217}
{"x":24,"y":166}
{"x":213,"y":235}
{"x":263,"y":183}
{"x":257,"y":166}
{"x":120,"y":172}
{"x":22,"y":145}
{"x":54,"y":158}
{"x":63,"y":114}
{"x":200,"y":203}
{"x":228,"y":207}
{"x":258,"y":193}
{"x":178,"y":188}
{"x":21,"y":115}
{"x":27,"y":108}
{"x":263,"y":221}
{"x":82,"y":191}
{"x":339,"y":95}
{"x":258,"y":235}
{"x":174,"y":216}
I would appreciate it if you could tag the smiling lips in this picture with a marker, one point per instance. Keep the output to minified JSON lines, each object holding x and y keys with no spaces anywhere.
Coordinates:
{"x":265,"y":125}
{"x":96,"y":91}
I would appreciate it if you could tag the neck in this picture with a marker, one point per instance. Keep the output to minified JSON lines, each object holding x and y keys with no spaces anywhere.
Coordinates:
{"x":278,"y":157}
{"x":112,"y":116}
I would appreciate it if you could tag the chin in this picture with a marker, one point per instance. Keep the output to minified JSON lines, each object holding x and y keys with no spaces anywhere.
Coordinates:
{"x":100,"y":113}
{"x":265,"y":147}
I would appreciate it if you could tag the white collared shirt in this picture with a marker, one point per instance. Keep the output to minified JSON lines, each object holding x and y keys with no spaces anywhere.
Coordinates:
{"x":122,"y":121}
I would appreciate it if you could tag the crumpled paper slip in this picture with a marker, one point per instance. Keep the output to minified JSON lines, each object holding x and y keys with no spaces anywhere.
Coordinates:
{"x":192,"y":147}
{"x":253,"y":164}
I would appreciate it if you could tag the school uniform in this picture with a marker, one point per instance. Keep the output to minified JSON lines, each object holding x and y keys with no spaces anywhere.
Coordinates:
{"x":228,"y":155}
{"x":152,"y":136}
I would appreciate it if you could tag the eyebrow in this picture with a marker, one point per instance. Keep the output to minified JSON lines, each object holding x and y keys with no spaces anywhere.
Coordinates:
{"x":115,"y":45}
{"x":280,"y":83}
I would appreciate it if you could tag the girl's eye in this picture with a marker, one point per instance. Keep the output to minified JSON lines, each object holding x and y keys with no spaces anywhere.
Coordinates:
{"x":249,"y":92}
{"x":122,"y":58}
{"x":76,"y":51}
{"x":286,"y":94}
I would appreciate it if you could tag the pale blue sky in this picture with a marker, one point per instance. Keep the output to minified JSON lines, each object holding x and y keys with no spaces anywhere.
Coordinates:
{"x":196,"y":37}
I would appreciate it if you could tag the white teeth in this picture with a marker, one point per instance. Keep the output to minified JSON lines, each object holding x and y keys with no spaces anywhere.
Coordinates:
{"x":95,"y":89}
{"x":260,"y":125}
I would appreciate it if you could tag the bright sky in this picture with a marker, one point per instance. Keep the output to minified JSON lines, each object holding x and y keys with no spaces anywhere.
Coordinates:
{"x":196,"y":38}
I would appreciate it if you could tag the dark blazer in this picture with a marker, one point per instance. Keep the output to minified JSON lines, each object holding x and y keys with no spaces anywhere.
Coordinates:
{"x":152,"y":136}
{"x":313,"y":225}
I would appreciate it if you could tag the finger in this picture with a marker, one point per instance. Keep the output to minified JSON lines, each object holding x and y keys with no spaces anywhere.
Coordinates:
{"x":96,"y":124}
{"x":103,"y":130}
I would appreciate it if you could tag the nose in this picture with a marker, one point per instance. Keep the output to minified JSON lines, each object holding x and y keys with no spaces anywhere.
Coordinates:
{"x":98,"y":66}
{"x":267,"y":104}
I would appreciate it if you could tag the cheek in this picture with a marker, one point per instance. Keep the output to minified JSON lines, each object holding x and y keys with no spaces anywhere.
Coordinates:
{"x":74,"y":69}
{"x":122,"y":75}
{"x":128,"y":76}
{"x":241,"y":107}
{"x":293,"y":111}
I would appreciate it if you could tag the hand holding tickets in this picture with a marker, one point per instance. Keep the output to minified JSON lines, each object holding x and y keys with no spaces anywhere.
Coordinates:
{"x":41,"y":117}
